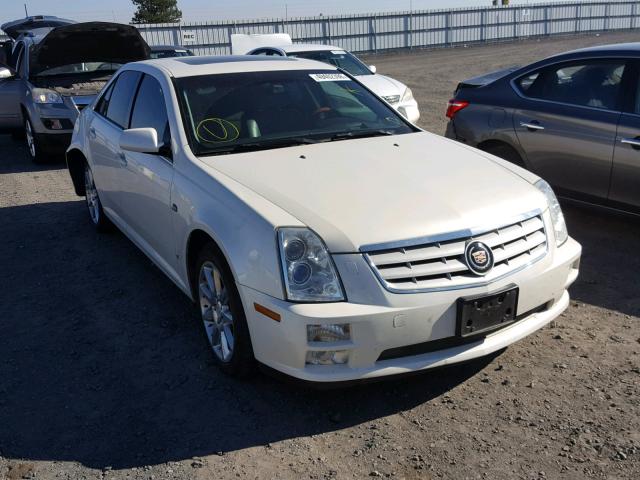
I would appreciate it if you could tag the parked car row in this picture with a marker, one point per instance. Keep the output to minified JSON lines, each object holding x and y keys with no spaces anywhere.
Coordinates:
{"x":63,"y":64}
{"x":318,"y":231}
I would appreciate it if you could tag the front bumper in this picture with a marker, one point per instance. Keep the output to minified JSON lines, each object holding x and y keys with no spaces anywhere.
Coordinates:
{"x":401,"y":320}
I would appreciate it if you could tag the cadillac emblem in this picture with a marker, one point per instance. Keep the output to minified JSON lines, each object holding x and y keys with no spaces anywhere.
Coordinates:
{"x":478,"y":257}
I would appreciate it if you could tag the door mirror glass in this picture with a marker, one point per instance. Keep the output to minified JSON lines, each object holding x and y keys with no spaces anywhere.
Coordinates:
{"x":373,"y":68}
{"x":142,"y":140}
{"x":5,"y":72}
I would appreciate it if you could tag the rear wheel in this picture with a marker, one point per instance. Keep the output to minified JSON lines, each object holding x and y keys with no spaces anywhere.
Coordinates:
{"x":222,"y":315}
{"x":96,"y":214}
{"x":505,"y":152}
{"x":33,"y":145}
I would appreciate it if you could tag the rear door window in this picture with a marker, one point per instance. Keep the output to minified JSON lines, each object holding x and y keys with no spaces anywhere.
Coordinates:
{"x":103,"y":103}
{"x":150,"y":111}
{"x":121,"y":99}
{"x":592,"y":83}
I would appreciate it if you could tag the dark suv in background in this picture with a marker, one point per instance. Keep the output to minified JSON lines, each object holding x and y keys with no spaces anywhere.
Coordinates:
{"x":573,"y":119}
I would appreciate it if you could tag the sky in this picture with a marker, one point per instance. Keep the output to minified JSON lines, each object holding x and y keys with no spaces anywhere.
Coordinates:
{"x":202,"y":10}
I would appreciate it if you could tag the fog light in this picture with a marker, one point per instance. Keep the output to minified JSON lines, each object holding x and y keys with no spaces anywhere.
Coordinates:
{"x":328,"y":333}
{"x":331,"y":357}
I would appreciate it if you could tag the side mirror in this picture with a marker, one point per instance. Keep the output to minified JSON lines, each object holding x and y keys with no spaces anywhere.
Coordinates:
{"x":142,"y":140}
{"x":373,"y":68}
{"x":5,"y":72}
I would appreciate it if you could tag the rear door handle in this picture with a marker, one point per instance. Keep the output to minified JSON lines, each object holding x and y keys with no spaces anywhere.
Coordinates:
{"x":634,"y":142}
{"x":532,"y":125}
{"x":123,"y":159}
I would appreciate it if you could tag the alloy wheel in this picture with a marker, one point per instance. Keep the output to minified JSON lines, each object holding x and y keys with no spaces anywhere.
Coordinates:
{"x":31,"y":142}
{"x":216,"y":311}
{"x":91,"y":193}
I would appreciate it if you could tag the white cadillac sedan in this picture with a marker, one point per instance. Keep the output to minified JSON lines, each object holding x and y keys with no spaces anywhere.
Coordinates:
{"x":318,"y":231}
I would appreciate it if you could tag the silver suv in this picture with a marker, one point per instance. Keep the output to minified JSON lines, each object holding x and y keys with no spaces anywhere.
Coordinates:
{"x":54,"y":69}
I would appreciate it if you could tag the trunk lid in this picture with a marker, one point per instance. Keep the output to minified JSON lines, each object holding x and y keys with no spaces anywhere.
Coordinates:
{"x":486,"y":79}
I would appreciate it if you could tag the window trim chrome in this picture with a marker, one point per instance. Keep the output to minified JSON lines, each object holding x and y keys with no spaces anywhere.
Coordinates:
{"x":460,"y":234}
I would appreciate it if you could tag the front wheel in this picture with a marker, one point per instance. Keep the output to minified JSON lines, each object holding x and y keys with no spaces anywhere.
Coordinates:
{"x":223,"y":318}
{"x":96,"y":214}
{"x":33,"y":145}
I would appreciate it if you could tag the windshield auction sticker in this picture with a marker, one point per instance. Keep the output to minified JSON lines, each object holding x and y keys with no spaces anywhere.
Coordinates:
{"x":329,"y":77}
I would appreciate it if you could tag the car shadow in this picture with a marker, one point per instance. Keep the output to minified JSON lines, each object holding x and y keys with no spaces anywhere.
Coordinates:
{"x":104,"y":363}
{"x":610,"y":264}
{"x":14,"y":158}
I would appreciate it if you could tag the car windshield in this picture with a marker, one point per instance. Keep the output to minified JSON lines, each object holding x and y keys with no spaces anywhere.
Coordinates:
{"x":339,"y":58}
{"x":235,"y":112}
{"x":85,"y":67}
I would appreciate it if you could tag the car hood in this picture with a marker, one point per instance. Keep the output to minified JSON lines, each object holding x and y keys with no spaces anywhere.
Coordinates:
{"x":88,"y":42}
{"x":382,"y":86}
{"x":362,"y":192}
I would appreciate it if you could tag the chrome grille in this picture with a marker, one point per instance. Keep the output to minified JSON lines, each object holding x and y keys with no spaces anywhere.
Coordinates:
{"x":441,"y":265}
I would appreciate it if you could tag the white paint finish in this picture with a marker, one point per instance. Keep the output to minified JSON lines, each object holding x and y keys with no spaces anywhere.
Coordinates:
{"x":353,"y":193}
{"x":369,"y":191}
{"x":427,"y":316}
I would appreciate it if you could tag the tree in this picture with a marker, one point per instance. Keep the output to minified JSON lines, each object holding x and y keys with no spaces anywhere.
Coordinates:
{"x":156,"y":11}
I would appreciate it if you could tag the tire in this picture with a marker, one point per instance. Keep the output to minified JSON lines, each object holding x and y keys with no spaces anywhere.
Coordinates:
{"x":223,"y":318}
{"x":507,"y":153}
{"x":94,"y":206}
{"x":33,"y":146}
{"x":17,"y":135}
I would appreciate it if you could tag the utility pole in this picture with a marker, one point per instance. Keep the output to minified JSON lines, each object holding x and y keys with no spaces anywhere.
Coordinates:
{"x":26,"y":12}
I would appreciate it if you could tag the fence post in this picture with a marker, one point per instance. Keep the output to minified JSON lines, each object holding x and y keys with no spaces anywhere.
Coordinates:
{"x":606,"y":16}
{"x":634,"y":14}
{"x":578,"y":15}
{"x":447,"y":28}
{"x":373,"y":43}
{"x":483,"y":26}
{"x":547,"y":21}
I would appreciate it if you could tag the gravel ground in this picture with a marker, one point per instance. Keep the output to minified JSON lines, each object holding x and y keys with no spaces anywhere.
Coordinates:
{"x":104,"y":372}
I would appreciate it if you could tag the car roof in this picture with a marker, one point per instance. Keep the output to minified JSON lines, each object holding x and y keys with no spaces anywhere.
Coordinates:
{"x":212,"y":65}
{"x":612,"y":49}
{"x":308,"y":47}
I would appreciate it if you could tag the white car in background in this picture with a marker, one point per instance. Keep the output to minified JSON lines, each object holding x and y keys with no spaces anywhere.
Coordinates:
{"x":396,"y":93}
{"x":316,"y":229}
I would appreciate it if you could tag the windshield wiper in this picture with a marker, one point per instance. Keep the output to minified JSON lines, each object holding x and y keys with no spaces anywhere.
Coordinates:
{"x":361,"y":134}
{"x":262,"y":145}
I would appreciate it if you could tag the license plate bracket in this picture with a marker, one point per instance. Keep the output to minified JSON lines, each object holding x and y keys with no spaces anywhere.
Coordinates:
{"x":485,"y":313}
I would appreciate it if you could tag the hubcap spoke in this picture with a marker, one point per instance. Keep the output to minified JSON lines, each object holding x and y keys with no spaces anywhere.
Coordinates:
{"x":91,"y":194}
{"x":216,"y":313}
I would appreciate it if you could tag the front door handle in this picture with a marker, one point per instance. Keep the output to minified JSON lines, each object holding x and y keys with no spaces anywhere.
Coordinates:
{"x":534,"y":126}
{"x":634,"y":142}
{"x":123,"y":159}
{"x":92,"y":132}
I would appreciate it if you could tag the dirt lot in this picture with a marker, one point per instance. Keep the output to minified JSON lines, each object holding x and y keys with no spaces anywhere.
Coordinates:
{"x":104,"y":373}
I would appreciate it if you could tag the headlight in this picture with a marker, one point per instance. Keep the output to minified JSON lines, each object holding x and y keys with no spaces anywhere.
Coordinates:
{"x":408,"y":95}
{"x":308,"y":270}
{"x":559,"y":225}
{"x":42,"y":95}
